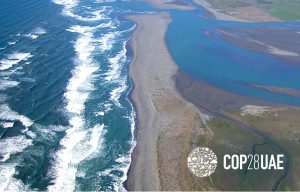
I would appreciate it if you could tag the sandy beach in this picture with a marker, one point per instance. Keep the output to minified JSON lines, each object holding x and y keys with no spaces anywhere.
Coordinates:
{"x":165,"y":122}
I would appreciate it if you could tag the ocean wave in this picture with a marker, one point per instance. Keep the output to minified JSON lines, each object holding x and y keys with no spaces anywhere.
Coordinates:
{"x":116,"y":65}
{"x":4,"y":84}
{"x":7,"y":124}
{"x":57,"y":128}
{"x":13,"y":145}
{"x":7,"y":114}
{"x":116,"y":93}
{"x":107,"y":41}
{"x":7,"y":181}
{"x":13,"y":59}
{"x":126,"y":160}
{"x":89,"y":29}
{"x":104,"y":1}
{"x":36,"y":33}
{"x":77,"y":145}
{"x":98,"y":15}
{"x":10,"y":146}
{"x":12,"y":42}
{"x":69,"y":6}
{"x":100,"y":113}
{"x":80,"y":85}
{"x":80,"y":141}
{"x":106,"y":106}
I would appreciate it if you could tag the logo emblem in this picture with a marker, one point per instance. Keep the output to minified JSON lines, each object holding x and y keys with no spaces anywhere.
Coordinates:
{"x":202,"y":162}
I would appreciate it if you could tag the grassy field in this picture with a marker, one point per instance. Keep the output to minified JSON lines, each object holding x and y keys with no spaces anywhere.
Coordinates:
{"x":231,"y":139}
{"x":287,"y":10}
{"x":283,"y":126}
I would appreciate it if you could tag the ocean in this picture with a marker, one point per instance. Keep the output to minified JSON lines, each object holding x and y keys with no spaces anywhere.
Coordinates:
{"x":66,"y":122}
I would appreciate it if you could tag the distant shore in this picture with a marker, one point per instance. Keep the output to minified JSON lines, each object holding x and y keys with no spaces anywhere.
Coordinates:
{"x":162,"y":115}
{"x":244,"y":14}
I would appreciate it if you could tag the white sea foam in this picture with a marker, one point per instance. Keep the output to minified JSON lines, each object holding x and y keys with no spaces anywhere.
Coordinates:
{"x":57,"y":128}
{"x":116,"y":65}
{"x":6,"y":113}
{"x":13,"y":59}
{"x":107,"y":40}
{"x":12,"y":145}
{"x":4,"y":84}
{"x":68,"y":10}
{"x":7,"y":124}
{"x":31,"y":134}
{"x":126,"y":160}
{"x":80,"y":141}
{"x":36,"y":33}
{"x":116,"y":93}
{"x":67,"y":4}
{"x":104,"y":1}
{"x":123,"y":161}
{"x":94,"y":16}
{"x":80,"y":84}
{"x":106,"y":106}
{"x":78,"y":145}
{"x":12,"y":42}
{"x":100,"y":113}
{"x":7,"y":181}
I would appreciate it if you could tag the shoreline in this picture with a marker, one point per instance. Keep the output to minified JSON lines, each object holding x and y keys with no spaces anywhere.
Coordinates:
{"x":158,"y":107}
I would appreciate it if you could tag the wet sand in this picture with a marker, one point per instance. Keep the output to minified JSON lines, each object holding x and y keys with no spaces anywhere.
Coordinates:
{"x":269,"y":40}
{"x":165,"y":121}
{"x":210,"y":98}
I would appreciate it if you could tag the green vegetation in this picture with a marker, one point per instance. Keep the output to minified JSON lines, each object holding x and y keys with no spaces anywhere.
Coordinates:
{"x":283,"y":127}
{"x":229,"y":4}
{"x":228,"y":138}
{"x":287,"y":10}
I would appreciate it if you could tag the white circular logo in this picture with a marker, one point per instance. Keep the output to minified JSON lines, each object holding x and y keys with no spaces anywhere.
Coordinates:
{"x":202,"y":162}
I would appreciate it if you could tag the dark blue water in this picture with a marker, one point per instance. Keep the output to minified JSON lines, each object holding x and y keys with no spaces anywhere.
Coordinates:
{"x":65,"y":120}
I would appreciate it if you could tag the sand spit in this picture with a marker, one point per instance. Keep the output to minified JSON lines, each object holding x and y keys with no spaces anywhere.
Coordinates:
{"x":166,"y":122}
{"x":269,"y":40}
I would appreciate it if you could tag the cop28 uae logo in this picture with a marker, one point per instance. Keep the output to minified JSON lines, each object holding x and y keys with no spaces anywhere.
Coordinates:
{"x":202,"y":162}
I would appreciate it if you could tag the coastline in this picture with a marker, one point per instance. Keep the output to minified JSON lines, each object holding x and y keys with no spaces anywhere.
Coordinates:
{"x":162,"y":114}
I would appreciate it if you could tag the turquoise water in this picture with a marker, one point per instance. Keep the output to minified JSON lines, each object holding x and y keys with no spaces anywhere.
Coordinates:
{"x":225,"y":65}
{"x":65,"y":119}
